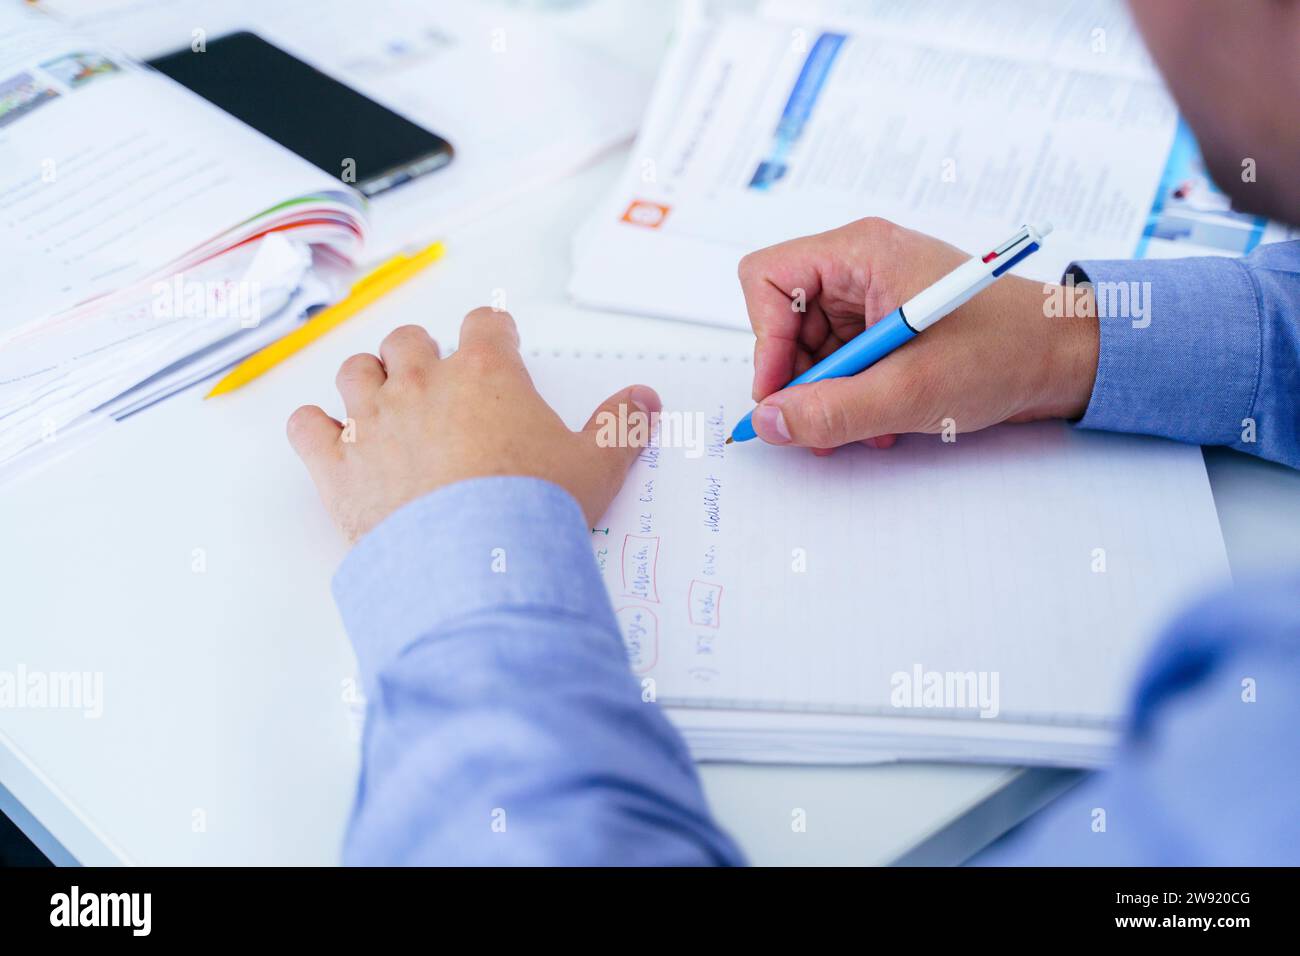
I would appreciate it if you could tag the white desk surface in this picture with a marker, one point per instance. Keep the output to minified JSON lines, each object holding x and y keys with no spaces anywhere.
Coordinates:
{"x":223,"y":690}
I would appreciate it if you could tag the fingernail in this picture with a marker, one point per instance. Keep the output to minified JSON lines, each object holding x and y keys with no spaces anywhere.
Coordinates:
{"x":870,"y":443}
{"x":646,"y":399}
{"x":770,"y":425}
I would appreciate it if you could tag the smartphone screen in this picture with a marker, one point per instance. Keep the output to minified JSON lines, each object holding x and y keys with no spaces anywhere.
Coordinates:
{"x":326,"y":122}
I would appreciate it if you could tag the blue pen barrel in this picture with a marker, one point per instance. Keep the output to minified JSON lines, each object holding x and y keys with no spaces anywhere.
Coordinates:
{"x":862,"y":351}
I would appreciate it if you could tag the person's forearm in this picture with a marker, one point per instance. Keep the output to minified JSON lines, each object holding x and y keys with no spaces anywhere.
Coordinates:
{"x":503,"y":724}
{"x":1062,"y":321}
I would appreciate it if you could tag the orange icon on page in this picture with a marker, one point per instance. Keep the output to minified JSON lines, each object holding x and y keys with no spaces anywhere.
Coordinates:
{"x":644,"y":213}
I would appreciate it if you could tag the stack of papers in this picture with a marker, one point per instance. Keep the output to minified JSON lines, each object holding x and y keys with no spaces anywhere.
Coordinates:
{"x":144,"y":230}
{"x":963,"y":119}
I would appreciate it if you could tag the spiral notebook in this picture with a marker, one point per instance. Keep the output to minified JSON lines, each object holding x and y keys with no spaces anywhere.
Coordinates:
{"x":984,"y":598}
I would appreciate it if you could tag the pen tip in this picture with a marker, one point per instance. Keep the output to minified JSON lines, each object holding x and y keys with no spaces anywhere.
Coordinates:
{"x":728,"y":441}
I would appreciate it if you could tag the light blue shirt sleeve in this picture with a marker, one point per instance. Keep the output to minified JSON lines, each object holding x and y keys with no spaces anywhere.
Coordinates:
{"x":503,"y":724}
{"x":1209,"y":771}
{"x":1201,"y":350}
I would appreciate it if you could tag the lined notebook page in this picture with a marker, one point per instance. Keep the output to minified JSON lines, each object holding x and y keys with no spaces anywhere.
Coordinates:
{"x":755,"y":577}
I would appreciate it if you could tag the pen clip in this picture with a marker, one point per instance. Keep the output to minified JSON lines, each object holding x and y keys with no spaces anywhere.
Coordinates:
{"x":1010,"y":244}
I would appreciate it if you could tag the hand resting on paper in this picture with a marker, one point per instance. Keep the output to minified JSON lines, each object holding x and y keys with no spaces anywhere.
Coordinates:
{"x":997,"y":358}
{"x":417,"y":422}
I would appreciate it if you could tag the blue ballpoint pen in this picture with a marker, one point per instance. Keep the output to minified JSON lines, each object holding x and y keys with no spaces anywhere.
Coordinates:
{"x":916,"y":314}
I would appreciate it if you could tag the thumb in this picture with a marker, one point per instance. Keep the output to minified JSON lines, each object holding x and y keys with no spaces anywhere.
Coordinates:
{"x":828,"y":413}
{"x":621,"y":427}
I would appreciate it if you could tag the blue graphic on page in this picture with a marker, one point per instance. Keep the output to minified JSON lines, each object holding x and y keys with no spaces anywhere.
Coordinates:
{"x":799,"y":106}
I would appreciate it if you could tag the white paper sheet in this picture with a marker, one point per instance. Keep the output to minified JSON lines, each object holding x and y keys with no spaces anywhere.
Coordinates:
{"x":964,"y":141}
{"x":1040,"y":559}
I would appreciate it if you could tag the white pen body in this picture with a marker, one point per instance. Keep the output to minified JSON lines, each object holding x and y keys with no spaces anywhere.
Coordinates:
{"x":967,"y":280}
{"x":971,"y":278}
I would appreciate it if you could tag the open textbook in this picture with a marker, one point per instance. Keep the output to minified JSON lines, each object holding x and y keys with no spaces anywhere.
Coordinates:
{"x":139,"y":225}
{"x":150,"y":240}
{"x":522,"y":103}
{"x":983,"y":599}
{"x":960,"y":118}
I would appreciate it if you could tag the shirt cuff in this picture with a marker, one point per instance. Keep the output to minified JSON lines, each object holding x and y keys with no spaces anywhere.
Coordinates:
{"x":1180,"y":347}
{"x":487,"y":544}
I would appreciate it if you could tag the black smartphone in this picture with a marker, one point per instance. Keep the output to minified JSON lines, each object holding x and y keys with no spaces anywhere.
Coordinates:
{"x":326,"y":122}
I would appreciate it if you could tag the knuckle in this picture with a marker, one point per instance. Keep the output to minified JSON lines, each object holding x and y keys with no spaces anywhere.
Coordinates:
{"x":820,"y":420}
{"x":874,"y":225}
{"x":745,"y":269}
{"x":754,"y":265}
{"x":414,"y":375}
{"x":494,"y":323}
{"x":406,"y":335}
{"x":297,"y":424}
{"x":411,"y":345}
{"x":875,"y":231}
{"x":487,"y":312}
{"x":811,"y":422}
{"x":353,"y":366}
{"x":830,"y":423}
